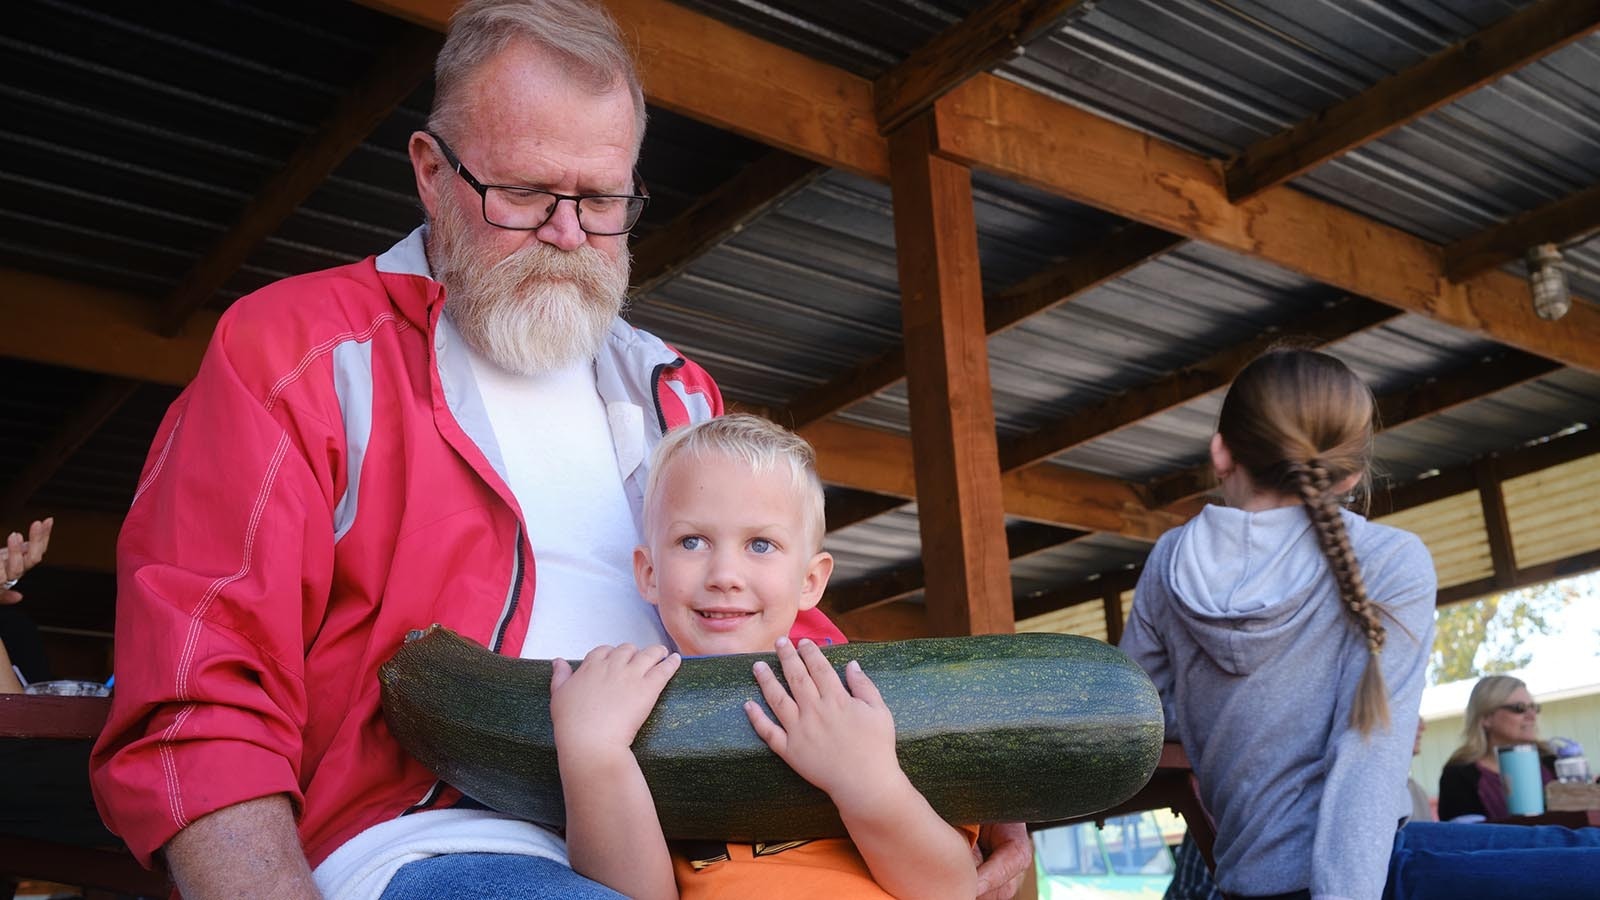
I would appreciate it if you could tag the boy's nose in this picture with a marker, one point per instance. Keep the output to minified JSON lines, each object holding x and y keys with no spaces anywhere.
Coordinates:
{"x":724,"y":574}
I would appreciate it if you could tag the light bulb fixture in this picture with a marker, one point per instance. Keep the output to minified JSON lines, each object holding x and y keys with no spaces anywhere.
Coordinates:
{"x":1547,"y":277}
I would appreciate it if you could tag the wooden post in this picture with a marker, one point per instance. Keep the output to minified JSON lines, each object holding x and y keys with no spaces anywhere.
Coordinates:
{"x":955,"y":455}
{"x":1495,"y":523}
{"x":1112,"y":598}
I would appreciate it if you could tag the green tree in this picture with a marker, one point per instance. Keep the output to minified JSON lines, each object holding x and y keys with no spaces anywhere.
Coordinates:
{"x":1489,"y":635}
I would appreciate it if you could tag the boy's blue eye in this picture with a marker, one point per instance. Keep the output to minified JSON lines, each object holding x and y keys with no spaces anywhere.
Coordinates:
{"x":761,"y":545}
{"x":691,"y":542}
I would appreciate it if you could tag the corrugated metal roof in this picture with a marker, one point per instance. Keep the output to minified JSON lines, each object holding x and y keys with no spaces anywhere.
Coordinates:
{"x":1217,"y":77}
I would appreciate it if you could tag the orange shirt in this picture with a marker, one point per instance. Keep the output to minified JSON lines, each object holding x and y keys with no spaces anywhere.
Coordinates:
{"x":830,"y":868}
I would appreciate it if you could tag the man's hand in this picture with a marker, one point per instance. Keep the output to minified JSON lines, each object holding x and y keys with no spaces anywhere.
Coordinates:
{"x":1010,"y":852}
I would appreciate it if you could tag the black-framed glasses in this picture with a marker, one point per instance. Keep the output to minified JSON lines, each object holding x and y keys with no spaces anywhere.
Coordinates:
{"x":1519,"y":708}
{"x":521,"y":208}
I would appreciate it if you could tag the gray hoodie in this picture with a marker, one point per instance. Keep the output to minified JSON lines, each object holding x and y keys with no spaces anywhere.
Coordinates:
{"x":1238,"y":622}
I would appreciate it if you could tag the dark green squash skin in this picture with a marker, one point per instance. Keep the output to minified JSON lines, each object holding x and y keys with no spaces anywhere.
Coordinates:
{"x":991,"y":728}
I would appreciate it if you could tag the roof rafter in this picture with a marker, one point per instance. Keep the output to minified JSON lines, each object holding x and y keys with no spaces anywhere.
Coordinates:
{"x":1351,"y":316}
{"x":1017,"y":133}
{"x":719,"y":215}
{"x":399,"y":68}
{"x":1123,"y":249}
{"x":760,"y":90}
{"x":1507,"y":45}
{"x":1022,"y":539}
{"x":1438,"y":395}
{"x":108,"y":395}
{"x":1571,"y":218}
{"x":977,"y":43}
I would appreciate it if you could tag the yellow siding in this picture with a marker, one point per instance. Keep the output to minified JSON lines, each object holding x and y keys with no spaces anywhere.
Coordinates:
{"x":1453,"y":530}
{"x":1554,"y":513}
{"x":1087,"y":619}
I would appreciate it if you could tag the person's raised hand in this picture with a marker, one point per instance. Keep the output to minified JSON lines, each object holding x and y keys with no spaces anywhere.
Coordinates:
{"x":600,"y":706}
{"x":19,"y":555}
{"x":839,"y":740}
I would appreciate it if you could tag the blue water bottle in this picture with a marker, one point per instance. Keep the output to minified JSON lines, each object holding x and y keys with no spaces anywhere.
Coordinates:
{"x":1519,"y":771}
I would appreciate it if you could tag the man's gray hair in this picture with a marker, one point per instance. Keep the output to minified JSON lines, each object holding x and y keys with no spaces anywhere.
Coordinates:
{"x":578,"y":33}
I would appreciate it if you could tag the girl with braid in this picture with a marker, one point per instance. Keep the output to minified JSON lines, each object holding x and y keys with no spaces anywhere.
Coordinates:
{"x":1289,"y":636}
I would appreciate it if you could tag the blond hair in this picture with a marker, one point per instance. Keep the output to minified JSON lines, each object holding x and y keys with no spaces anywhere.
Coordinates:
{"x":758,"y":444}
{"x":1299,"y":422}
{"x":578,"y":33}
{"x":1489,"y":694}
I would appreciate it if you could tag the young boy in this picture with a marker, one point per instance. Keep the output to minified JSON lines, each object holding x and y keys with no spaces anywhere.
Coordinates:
{"x":733,"y":531}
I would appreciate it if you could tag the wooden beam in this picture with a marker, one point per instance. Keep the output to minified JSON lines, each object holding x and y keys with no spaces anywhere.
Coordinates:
{"x":1465,"y":385}
{"x":1349,"y":317}
{"x":106,"y":398}
{"x":1037,"y":604}
{"x":1511,"y":43}
{"x":889,"y":622}
{"x":1111,"y":596}
{"x":1568,"y":220}
{"x":981,"y":41}
{"x":1019,"y":134}
{"x":867,"y":459}
{"x":719,"y":215}
{"x":1496,"y":524}
{"x":1524,"y":578}
{"x":847,"y":507}
{"x":1507,"y":464}
{"x":77,"y":326}
{"x":962,"y":512}
{"x":1120,"y":251}
{"x":1022,"y":539}
{"x":695,"y":65}
{"x":402,"y":65}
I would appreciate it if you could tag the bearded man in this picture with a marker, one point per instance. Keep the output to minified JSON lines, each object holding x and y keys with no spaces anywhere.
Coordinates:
{"x":408,"y":440}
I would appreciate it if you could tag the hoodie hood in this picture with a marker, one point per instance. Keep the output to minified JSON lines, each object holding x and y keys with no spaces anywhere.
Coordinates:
{"x":1244,"y":580}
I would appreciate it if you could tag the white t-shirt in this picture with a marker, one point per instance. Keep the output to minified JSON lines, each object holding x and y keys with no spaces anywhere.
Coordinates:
{"x":557,"y":444}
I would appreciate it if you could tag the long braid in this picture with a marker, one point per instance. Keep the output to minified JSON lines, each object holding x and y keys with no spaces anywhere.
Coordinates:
{"x":1315,"y":484}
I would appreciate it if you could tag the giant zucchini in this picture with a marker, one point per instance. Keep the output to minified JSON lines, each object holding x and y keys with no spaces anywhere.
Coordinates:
{"x":992,"y":728}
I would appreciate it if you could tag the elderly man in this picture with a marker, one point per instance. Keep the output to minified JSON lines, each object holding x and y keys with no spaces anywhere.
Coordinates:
{"x":456,"y":431}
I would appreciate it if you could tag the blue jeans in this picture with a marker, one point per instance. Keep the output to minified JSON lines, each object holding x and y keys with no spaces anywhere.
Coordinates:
{"x":492,"y":876}
{"x":1538,"y":862}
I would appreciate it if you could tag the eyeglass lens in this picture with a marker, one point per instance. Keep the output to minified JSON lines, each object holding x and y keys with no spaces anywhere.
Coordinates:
{"x":1520,"y":708}
{"x":528,"y":209}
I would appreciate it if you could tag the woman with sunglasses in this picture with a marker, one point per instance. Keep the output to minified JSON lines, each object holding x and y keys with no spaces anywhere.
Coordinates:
{"x":1500,"y":713}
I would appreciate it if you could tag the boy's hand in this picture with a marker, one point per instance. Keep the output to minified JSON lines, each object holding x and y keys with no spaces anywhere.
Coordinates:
{"x":599,"y":707}
{"x":841,"y":741}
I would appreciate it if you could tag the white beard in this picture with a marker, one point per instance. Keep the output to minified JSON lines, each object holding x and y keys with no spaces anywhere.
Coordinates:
{"x":535,"y":311}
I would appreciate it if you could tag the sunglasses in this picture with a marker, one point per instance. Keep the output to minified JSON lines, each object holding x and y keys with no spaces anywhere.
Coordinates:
{"x":1519,"y":708}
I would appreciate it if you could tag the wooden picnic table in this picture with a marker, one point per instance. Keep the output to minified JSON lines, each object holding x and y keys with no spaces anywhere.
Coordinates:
{"x":49,"y":829}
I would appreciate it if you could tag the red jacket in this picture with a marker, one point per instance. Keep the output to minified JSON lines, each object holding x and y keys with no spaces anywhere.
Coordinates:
{"x":322,"y":487}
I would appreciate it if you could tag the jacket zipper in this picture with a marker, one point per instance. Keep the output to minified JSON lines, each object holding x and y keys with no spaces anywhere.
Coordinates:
{"x":511,"y":600}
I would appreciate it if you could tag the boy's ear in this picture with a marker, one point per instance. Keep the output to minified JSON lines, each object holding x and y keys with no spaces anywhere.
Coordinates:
{"x":644,"y":575}
{"x":818,"y":571}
